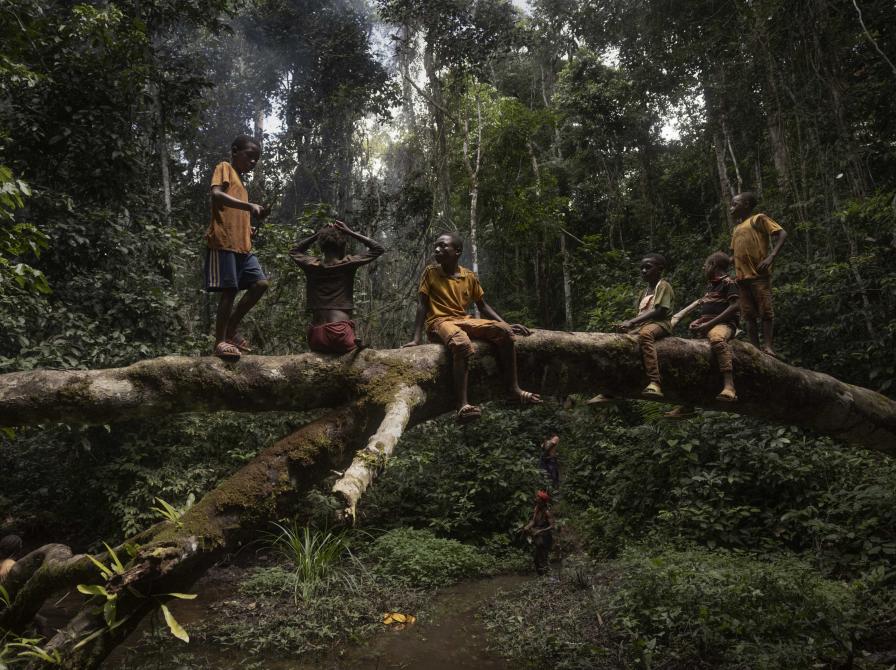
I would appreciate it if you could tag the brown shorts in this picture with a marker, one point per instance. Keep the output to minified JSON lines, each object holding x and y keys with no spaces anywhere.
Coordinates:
{"x":756,"y":299}
{"x":456,"y":333}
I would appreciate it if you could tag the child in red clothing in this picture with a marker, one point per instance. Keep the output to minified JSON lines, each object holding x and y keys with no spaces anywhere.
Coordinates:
{"x":331,"y":286}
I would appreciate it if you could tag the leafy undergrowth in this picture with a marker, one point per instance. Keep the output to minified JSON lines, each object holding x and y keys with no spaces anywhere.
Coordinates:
{"x":690,"y":609}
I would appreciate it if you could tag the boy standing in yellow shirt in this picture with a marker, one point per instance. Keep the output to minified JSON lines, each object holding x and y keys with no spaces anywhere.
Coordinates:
{"x":446,"y":292}
{"x":230,"y":265}
{"x":755,"y":242}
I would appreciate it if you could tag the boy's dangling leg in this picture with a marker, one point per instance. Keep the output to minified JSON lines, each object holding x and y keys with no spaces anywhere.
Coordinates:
{"x":225,"y":307}
{"x":647,"y":337}
{"x":501,"y":335}
{"x":250,"y":297}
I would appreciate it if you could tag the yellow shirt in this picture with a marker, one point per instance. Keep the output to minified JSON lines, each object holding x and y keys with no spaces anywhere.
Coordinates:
{"x":663,"y":296}
{"x":750,"y":245}
{"x":230,"y":228}
{"x":449,"y":296}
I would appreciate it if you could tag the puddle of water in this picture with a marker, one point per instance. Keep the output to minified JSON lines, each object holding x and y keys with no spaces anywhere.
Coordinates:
{"x":450,"y":638}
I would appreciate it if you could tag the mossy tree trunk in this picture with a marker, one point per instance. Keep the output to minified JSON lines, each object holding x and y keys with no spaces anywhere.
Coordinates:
{"x":378,"y":394}
{"x":552,"y":363}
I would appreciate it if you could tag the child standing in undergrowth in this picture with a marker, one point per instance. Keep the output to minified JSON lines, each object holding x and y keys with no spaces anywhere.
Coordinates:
{"x":446,"y":292}
{"x":331,"y":286}
{"x":651,"y":324}
{"x":230,"y":265}
{"x":755,"y":242}
{"x":540,"y":529}
{"x":719,"y":313}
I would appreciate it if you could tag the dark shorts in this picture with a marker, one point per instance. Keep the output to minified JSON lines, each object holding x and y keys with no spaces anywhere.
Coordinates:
{"x":337,"y":337}
{"x":229,"y":270}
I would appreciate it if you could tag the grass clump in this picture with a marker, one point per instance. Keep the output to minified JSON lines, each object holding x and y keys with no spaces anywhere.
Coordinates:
{"x":313,"y":553}
{"x":420,"y":559}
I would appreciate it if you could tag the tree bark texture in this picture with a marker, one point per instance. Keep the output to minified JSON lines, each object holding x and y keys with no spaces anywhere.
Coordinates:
{"x":554,"y":363}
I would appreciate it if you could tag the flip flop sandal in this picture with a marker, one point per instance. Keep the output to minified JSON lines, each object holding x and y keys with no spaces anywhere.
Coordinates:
{"x":240,"y":343}
{"x":468,"y":414}
{"x":528,"y":398}
{"x":723,"y":397}
{"x":653,"y":390}
{"x":227,"y":352}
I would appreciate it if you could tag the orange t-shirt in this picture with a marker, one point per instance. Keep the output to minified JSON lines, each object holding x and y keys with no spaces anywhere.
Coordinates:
{"x":750,"y":245}
{"x":230,"y":228}
{"x":449,"y":296}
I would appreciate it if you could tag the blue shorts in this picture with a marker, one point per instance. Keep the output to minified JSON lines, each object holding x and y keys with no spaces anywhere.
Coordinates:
{"x":229,"y":270}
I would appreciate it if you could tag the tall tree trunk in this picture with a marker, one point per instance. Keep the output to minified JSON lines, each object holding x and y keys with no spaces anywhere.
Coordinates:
{"x":437,"y":109}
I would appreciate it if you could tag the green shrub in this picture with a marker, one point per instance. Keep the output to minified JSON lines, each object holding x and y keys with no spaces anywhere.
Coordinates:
{"x":720,"y":609}
{"x":462,"y":483}
{"x":420,"y":559}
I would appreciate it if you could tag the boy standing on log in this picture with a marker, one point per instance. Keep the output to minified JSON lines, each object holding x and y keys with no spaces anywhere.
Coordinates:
{"x":755,"y":242}
{"x":446,"y":292}
{"x":719,"y":313}
{"x":230,"y":265}
{"x":331,"y":286}
{"x":651,"y":324}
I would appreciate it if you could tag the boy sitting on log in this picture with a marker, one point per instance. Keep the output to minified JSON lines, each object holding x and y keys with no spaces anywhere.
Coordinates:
{"x":446,"y":292}
{"x":651,"y":324}
{"x":719,"y":314}
{"x":331,"y":286}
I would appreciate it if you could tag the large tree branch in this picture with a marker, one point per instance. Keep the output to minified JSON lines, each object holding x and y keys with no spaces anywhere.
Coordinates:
{"x":172,"y":555}
{"x":552,"y":362}
{"x":370,"y":460}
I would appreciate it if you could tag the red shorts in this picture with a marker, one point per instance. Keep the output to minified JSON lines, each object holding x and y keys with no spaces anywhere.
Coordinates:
{"x":332,"y":338}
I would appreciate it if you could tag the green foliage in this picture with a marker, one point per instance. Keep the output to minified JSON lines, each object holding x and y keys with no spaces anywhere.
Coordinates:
{"x":419,"y":559}
{"x":682,"y":609}
{"x":78,"y":485}
{"x":464,"y":483}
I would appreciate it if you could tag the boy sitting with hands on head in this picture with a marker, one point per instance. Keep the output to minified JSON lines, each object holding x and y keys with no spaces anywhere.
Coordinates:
{"x":331,"y":286}
{"x":446,"y":292}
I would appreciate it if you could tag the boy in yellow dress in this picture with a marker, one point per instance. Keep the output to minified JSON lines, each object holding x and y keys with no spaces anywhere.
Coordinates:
{"x":446,"y":292}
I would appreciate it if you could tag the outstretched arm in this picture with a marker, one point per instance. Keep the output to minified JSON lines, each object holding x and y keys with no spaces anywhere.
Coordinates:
{"x":656,"y":314}
{"x":488,"y":312}
{"x":419,"y":320}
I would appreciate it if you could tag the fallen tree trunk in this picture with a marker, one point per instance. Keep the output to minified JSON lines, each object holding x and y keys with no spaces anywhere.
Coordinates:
{"x":550,"y":362}
{"x":172,"y":555}
{"x":391,"y":390}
